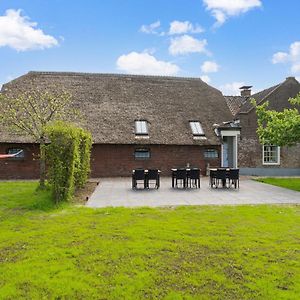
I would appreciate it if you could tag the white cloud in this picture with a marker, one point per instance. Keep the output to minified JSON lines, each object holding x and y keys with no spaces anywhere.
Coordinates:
{"x":223,"y":9}
{"x":205,"y":78}
{"x":178,"y":27}
{"x":145,"y":63}
{"x":18,"y":32}
{"x":280,"y":57}
{"x":298,"y":78}
{"x":150,"y":29}
{"x":231,"y":89}
{"x":292,"y":57}
{"x":209,"y":67}
{"x":187,"y":44}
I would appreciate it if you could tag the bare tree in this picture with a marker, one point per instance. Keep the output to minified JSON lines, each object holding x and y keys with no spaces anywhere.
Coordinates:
{"x":29,"y":112}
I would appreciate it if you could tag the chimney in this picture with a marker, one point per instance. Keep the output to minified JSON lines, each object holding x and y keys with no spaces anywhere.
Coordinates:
{"x":246,"y":90}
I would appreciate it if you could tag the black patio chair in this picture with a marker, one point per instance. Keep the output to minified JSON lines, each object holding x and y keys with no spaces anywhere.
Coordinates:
{"x":194,"y":177}
{"x":181,"y":176}
{"x":153,"y":175}
{"x":213,"y":178}
{"x":234,"y":178}
{"x":221,"y":176}
{"x":138,"y":175}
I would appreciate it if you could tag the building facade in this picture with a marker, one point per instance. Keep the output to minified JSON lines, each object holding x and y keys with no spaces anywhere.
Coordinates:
{"x":264,"y":160}
{"x":135,"y":121}
{"x":157,"y":122}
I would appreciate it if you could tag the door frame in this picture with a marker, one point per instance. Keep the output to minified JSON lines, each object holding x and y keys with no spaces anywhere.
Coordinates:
{"x":232,"y":133}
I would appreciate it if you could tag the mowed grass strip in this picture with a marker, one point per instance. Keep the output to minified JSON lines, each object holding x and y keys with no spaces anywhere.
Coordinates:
{"x":213,"y":252}
{"x":288,"y":183}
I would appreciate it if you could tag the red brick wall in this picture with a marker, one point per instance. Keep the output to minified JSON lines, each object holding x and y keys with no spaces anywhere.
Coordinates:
{"x":111,"y":160}
{"x":118,"y":160}
{"x":13,"y":168}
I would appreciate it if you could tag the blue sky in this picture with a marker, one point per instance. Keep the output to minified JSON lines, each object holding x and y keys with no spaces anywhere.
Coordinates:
{"x":226,"y":42}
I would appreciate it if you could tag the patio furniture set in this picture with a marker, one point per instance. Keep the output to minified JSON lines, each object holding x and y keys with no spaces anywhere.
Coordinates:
{"x":186,"y":178}
{"x":228,"y":177}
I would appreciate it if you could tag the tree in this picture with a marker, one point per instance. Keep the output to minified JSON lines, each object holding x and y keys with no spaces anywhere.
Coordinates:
{"x":278,"y":128}
{"x":28,"y":112}
{"x":68,"y":156}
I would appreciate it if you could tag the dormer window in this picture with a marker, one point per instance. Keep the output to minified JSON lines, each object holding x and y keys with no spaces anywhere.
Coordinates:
{"x":141,"y":128}
{"x":196,"y":128}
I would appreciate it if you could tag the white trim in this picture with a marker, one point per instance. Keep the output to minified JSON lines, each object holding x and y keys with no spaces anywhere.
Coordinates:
{"x":222,"y":161}
{"x":271,"y":163}
{"x":230,"y":132}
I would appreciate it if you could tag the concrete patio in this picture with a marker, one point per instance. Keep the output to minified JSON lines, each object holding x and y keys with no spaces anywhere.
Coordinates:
{"x":117,"y":192}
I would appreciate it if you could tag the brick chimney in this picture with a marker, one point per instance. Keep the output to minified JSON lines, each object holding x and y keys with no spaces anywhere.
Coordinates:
{"x":246,"y":90}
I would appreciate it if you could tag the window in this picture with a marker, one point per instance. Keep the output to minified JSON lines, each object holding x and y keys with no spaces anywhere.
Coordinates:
{"x":142,"y":154}
{"x":20,"y":152}
{"x":197,"y":129}
{"x":271,"y":155}
{"x":141,"y":127}
{"x":211,"y":153}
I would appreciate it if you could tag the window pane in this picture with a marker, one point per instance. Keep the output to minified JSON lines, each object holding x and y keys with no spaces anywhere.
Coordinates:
{"x":196,"y":128}
{"x":271,"y":154}
{"x":141,"y":127}
{"x":14,"y":151}
{"x":211,"y":153}
{"x":142,"y":154}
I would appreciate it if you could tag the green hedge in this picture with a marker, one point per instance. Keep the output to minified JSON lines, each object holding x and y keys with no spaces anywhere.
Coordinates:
{"x":68,"y":158}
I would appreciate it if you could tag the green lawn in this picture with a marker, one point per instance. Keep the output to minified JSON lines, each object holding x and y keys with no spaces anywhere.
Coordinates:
{"x":289,"y":183}
{"x":213,"y":252}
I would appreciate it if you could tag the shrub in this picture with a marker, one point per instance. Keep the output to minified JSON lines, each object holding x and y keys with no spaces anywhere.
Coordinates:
{"x":68,"y":158}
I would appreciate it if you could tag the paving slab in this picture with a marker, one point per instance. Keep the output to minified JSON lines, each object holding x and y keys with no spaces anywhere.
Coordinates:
{"x":113,"y":192}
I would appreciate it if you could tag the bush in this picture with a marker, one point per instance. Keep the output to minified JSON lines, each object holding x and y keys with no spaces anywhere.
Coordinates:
{"x":68,"y":158}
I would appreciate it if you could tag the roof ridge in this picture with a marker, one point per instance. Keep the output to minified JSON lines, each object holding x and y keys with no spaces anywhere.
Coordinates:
{"x":263,"y":99}
{"x":113,"y":74}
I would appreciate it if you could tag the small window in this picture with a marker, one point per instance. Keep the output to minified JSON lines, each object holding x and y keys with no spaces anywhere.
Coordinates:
{"x":142,"y":154}
{"x":271,"y":155}
{"x":211,"y":153}
{"x":141,"y":127}
{"x":197,"y":129}
{"x":19,"y":153}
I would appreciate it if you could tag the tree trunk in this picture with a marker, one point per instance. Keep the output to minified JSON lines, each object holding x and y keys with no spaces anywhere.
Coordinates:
{"x":42,"y":164}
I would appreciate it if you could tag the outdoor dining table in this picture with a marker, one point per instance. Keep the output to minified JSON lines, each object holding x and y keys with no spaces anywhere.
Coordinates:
{"x":146,"y":171}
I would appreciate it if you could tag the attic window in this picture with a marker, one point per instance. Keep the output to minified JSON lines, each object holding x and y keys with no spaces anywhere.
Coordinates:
{"x":197,"y":129}
{"x":141,"y":127}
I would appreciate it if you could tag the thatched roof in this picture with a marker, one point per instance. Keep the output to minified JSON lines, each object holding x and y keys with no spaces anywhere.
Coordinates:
{"x":111,"y":103}
{"x":235,"y":103}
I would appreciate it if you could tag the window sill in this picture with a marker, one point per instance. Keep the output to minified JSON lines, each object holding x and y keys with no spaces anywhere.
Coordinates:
{"x":142,"y":136}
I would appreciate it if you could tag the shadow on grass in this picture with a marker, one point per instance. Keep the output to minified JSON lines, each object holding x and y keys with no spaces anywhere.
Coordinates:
{"x":25,"y":195}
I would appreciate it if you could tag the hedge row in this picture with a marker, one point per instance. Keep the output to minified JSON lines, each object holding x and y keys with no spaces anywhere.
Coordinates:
{"x":68,"y":158}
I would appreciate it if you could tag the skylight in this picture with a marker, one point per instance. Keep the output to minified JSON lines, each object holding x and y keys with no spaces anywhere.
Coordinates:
{"x":141,"y":128}
{"x":197,"y":129}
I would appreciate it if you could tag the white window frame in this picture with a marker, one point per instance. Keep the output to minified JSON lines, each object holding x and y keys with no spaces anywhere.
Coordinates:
{"x":271,"y":163}
{"x":197,"y":129}
{"x":141,"y":127}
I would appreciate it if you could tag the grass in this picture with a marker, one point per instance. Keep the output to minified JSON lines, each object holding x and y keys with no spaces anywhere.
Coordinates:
{"x":289,"y":183}
{"x":69,"y":252}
